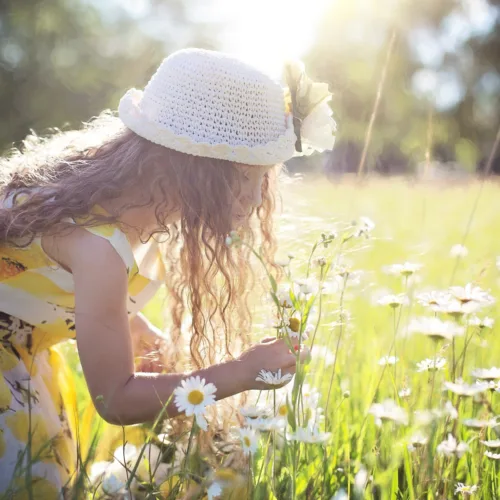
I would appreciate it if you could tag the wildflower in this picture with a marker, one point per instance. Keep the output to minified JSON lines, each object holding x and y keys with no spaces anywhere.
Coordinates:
{"x":490,"y":385}
{"x":388,"y":360}
{"x":249,"y":440}
{"x":214,"y":491}
{"x":486,"y":373}
{"x":431,"y":365}
{"x":193,"y":396}
{"x":482,"y":322}
{"x":346,"y":394}
{"x":450,"y":410}
{"x":270,"y":378}
{"x":405,"y":270}
{"x":493,"y":456}
{"x":268,"y":424}
{"x":306,"y":286}
{"x":125,"y":454}
{"x":404,"y":393}
{"x":321,"y":351}
{"x":114,"y":479}
{"x":492,"y":444}
{"x":319,"y":261}
{"x":433,"y":299}
{"x":393,"y":301}
{"x":253,"y":412}
{"x":364,"y":227}
{"x":463,"y":389}
{"x":471,"y":293}
{"x":465,"y":490}
{"x":451,"y":447}
{"x":388,"y":410}
{"x":435,"y":328}
{"x":417,"y":440}
{"x":457,"y":309}
{"x":284,"y":298}
{"x":475,"y":423}
{"x":310,"y":435}
{"x":458,"y":251}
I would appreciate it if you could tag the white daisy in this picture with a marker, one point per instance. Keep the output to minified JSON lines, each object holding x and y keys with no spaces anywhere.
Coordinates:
{"x":404,"y":393}
{"x":388,"y":410}
{"x":461,"y":388}
{"x":214,"y":491}
{"x":471,"y":293}
{"x":193,"y":396}
{"x":457,"y":309}
{"x":249,"y":440}
{"x":267,"y":424}
{"x":306,"y":286}
{"x":284,"y":298}
{"x":114,"y":479}
{"x":450,"y":411}
{"x":431,"y":365}
{"x":321,"y":351}
{"x":406,"y":269}
{"x":255,"y":411}
{"x":435,"y":328}
{"x":486,"y":373}
{"x":482,"y":322}
{"x":493,"y":456}
{"x":433,"y":299}
{"x":125,"y":454}
{"x":465,"y":490}
{"x":393,"y":301}
{"x":417,"y":440}
{"x":388,"y":360}
{"x":364,"y":227}
{"x":310,"y":435}
{"x":475,"y":423}
{"x":492,"y":444}
{"x":458,"y":251}
{"x":270,"y":378}
{"x":452,"y":447}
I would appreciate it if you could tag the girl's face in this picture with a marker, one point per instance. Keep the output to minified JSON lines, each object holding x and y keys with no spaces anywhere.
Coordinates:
{"x":249,"y":195}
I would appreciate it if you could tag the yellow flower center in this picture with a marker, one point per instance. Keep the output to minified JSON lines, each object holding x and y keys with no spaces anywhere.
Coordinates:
{"x":283,"y":410}
{"x":246,"y":440}
{"x":196,"y":397}
{"x":294,"y":324}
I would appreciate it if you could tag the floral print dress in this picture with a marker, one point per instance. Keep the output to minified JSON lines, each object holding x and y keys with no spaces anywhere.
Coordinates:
{"x":38,"y":410}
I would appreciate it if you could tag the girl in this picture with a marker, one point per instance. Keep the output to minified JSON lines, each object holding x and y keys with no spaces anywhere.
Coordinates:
{"x":83,"y":217}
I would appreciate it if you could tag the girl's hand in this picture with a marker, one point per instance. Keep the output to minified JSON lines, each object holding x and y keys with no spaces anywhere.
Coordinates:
{"x":270,"y":354}
{"x":148,"y":345}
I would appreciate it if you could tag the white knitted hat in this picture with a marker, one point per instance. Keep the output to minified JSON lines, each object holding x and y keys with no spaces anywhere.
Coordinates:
{"x":210,"y":104}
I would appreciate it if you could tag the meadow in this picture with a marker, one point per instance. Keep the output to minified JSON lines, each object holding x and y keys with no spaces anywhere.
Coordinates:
{"x":400,"y":398}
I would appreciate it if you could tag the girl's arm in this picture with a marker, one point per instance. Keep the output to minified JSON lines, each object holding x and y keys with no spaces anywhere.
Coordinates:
{"x":120,"y":395}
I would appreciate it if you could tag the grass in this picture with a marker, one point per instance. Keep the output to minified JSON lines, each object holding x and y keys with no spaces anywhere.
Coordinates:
{"x":413,"y":222}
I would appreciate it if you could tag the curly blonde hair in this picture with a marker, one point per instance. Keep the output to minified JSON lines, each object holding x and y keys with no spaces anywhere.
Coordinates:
{"x":67,"y":173}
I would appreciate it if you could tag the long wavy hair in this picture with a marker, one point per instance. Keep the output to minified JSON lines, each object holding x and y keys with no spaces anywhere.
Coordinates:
{"x":66,"y":174}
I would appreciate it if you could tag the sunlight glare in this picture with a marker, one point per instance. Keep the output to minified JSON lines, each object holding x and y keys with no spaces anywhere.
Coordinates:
{"x":267,"y":32}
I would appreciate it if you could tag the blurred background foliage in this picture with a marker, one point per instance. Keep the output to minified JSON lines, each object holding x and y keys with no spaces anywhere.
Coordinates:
{"x":63,"y":61}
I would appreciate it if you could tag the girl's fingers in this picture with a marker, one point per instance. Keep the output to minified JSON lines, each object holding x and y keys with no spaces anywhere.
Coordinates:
{"x":267,"y":340}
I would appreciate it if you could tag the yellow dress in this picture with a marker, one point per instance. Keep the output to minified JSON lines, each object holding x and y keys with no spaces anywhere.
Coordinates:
{"x":39,"y":424}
